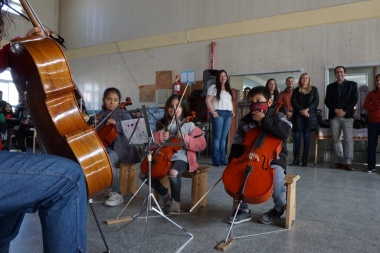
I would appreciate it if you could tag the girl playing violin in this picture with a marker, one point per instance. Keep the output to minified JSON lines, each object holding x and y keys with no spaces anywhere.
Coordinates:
{"x":272,"y":123}
{"x":119,"y":150}
{"x":185,"y":158}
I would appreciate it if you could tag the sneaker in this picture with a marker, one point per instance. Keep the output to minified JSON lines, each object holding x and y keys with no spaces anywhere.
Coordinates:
{"x":271,"y":216}
{"x":114,"y":199}
{"x":241,"y":216}
{"x":370,"y":171}
{"x":167,"y":199}
{"x":175,"y":208}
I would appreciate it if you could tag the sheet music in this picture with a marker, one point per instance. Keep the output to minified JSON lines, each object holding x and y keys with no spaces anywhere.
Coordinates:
{"x":140,"y":134}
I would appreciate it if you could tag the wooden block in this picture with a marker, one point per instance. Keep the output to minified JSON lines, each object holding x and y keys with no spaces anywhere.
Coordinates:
{"x":224,"y":245}
{"x":127,"y":178}
{"x":114,"y":221}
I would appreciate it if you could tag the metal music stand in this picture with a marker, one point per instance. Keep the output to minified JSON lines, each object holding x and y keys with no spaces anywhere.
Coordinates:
{"x":150,"y":196}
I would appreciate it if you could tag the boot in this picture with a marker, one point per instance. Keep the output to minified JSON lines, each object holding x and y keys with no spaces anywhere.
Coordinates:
{"x":296,"y":161}
{"x":304,"y":159}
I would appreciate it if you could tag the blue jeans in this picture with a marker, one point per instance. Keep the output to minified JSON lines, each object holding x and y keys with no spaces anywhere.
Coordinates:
{"x":305,"y":132}
{"x":345,"y":151}
{"x":53,"y":186}
{"x":279,"y":189}
{"x":373,"y":135}
{"x":220,"y":128}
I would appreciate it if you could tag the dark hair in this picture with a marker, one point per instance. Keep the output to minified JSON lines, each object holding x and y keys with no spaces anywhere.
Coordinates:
{"x":275,"y":92}
{"x":247,"y":88}
{"x":4,"y":18}
{"x":166,"y":119}
{"x":289,"y":78}
{"x":378,"y":75}
{"x":344,"y":69}
{"x":218,"y":85}
{"x":259,"y":90}
{"x":108,"y":91}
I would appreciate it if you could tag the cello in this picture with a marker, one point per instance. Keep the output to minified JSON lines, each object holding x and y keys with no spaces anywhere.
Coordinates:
{"x":249,"y":178}
{"x":161,"y":158}
{"x":42,"y":76}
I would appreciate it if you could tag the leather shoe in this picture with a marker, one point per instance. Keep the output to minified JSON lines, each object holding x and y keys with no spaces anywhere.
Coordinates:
{"x":215,"y":164}
{"x":348,"y":167}
{"x":338,"y":166}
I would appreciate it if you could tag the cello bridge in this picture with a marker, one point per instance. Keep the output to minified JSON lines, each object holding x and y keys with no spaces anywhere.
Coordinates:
{"x":254,"y":156}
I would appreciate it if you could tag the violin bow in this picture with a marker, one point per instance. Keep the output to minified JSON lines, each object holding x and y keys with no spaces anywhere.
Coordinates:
{"x":175,"y":110}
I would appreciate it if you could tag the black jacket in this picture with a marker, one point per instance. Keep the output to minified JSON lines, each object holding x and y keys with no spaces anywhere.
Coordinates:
{"x":348,"y":101}
{"x":297,"y":104}
{"x":276,"y":125}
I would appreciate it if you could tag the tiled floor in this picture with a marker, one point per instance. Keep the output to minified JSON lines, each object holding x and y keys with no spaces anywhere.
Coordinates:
{"x":337,"y":211}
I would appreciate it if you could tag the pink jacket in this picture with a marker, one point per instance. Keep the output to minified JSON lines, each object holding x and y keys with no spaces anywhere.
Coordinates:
{"x":195,"y":142}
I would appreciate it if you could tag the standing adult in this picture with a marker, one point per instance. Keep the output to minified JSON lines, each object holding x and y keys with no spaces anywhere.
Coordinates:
{"x":286,"y":97}
{"x":219,"y":104}
{"x":243,"y":105}
{"x":305,"y":100}
{"x":372,"y":104}
{"x":341,"y":98}
{"x":271,"y":85}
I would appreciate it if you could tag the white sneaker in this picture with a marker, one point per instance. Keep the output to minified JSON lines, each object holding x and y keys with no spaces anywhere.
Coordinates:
{"x":114,"y":199}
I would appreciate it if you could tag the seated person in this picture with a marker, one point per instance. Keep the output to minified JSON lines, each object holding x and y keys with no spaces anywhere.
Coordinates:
{"x":8,"y":112}
{"x":22,"y":132}
{"x":272,"y":123}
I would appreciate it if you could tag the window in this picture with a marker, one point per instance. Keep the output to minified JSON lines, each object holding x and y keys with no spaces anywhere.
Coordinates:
{"x":15,"y":4}
{"x":10,"y":93}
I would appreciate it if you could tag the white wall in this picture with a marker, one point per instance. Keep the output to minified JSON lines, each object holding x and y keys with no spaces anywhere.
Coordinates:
{"x":123,"y":43}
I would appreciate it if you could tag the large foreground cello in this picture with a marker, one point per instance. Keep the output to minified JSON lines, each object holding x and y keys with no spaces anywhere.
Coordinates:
{"x":42,"y":76}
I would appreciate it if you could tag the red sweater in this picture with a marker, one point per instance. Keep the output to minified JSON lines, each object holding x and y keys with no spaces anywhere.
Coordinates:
{"x":372,"y":104}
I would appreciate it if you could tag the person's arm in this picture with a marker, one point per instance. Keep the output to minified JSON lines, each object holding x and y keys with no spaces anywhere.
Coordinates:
{"x":195,"y":140}
{"x":349,"y":109}
{"x":370,"y":102}
{"x":210,"y":108}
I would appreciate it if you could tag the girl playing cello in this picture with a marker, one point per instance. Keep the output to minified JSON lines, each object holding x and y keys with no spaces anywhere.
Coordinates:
{"x":185,"y":158}
{"x":261,"y":115}
{"x":119,"y":149}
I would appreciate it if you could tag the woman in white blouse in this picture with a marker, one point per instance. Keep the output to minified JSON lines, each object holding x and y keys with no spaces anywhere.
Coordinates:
{"x":219,"y":104}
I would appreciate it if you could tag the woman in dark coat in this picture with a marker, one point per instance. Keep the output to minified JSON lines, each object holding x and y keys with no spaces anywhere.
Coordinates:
{"x":305,"y":100}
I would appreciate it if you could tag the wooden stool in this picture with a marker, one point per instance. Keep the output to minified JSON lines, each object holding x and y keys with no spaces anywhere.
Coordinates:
{"x":290,"y":183}
{"x":127,"y":178}
{"x":198,"y":185}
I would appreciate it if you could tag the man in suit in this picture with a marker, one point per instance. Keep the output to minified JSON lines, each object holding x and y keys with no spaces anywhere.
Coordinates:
{"x":341,"y":98}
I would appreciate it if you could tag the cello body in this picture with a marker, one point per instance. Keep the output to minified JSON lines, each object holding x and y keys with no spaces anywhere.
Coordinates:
{"x":259,"y":185}
{"x":43,"y":78}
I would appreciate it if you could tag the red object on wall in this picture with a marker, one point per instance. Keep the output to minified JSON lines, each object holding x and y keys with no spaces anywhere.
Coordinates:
{"x":177,"y":85}
{"x":212,"y":55}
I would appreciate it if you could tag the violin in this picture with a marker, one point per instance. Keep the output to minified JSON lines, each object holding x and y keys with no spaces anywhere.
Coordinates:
{"x":41,"y":74}
{"x":161,"y":157}
{"x":249,"y":177}
{"x":108,"y":133}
